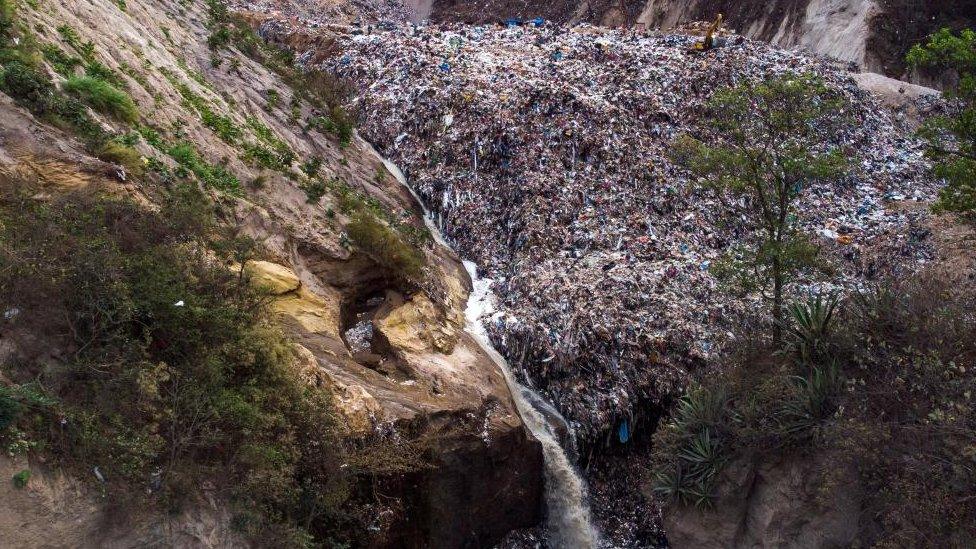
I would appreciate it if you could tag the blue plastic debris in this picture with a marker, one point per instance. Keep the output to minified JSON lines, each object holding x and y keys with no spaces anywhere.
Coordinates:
{"x":623,"y":432}
{"x":557,"y":55}
{"x":513,"y":22}
{"x":445,"y":67}
{"x":538,"y":21}
{"x":345,"y":60}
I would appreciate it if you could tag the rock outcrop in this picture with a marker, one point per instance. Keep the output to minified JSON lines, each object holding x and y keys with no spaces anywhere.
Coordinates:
{"x":796,"y":501}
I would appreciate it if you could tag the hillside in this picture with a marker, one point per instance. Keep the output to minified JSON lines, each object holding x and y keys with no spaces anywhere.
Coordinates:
{"x":284,"y":175}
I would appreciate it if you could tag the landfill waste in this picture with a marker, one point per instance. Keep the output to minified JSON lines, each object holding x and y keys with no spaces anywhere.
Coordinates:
{"x":542,"y":152}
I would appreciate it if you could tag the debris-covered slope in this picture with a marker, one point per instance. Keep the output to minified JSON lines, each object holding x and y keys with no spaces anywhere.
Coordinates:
{"x":544,"y":155}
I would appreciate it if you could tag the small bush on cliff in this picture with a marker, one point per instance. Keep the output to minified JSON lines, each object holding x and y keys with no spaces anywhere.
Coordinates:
{"x":103,"y":97}
{"x":386,"y":247}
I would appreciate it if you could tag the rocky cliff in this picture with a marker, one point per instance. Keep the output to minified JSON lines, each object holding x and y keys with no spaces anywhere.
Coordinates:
{"x":395,"y":356}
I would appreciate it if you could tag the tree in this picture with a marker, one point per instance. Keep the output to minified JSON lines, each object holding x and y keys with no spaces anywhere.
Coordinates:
{"x":766,"y":143}
{"x":952,"y":137}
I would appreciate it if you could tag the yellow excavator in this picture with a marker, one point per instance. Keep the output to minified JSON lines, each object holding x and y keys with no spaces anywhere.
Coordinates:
{"x":708,"y":42}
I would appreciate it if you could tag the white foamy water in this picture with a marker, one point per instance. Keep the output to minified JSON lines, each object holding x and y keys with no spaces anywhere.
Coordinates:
{"x":568,"y":516}
{"x":568,"y":519}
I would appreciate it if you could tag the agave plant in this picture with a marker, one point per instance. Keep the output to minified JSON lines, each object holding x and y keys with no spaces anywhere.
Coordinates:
{"x":810,"y":327}
{"x":812,"y":401}
{"x":691,"y":478}
{"x":701,"y":408}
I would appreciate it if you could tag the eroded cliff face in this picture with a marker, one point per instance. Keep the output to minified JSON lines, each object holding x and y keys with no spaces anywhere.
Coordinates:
{"x":795,"y":501}
{"x":417,"y":374}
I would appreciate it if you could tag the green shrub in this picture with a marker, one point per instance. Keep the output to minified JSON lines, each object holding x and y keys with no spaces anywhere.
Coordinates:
{"x":694,"y":449}
{"x":212,"y":175}
{"x":29,"y":87}
{"x":103,"y":97}
{"x":61,"y":62}
{"x":10,"y":408}
{"x":21,"y":478}
{"x":808,"y":332}
{"x":812,"y":400}
{"x":97,"y":70}
{"x":8,"y":22}
{"x":123,"y":155}
{"x":312,"y":166}
{"x":386,"y":247}
{"x":222,"y":125}
{"x":338,"y":123}
{"x":314,"y":191}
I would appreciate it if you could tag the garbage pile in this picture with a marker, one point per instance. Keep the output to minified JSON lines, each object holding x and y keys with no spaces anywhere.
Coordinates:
{"x":314,"y":14}
{"x":543,"y":153}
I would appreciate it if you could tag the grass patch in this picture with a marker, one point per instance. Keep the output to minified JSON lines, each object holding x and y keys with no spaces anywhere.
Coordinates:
{"x":124,"y":155}
{"x":386,"y":248}
{"x":103,"y":97}
{"x":212,"y":175}
{"x":222,"y":125}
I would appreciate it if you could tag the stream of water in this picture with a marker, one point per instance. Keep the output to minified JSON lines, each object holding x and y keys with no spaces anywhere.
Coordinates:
{"x":568,"y":519}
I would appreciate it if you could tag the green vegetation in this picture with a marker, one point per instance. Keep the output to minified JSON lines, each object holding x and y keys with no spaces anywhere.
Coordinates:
{"x":71,"y":37}
{"x":312,"y":166}
{"x":338,"y":123}
{"x":24,"y":79}
{"x":386,"y":248}
{"x":694,"y":447}
{"x":21,"y":478}
{"x":103,"y":97}
{"x":314,"y":190}
{"x":767,"y":144}
{"x":882,"y":382}
{"x":324,"y":91}
{"x":952,"y":137}
{"x":273,"y":153}
{"x":222,"y":125}
{"x":61,"y":62}
{"x":353,"y":203}
{"x":123,"y":155}
{"x":212,"y":175}
{"x":169,"y":371}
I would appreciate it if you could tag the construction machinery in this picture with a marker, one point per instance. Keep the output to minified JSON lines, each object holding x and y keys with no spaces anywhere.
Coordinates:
{"x":708,"y":42}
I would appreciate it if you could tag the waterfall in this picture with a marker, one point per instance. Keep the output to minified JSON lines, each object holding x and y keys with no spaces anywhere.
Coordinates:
{"x":567,"y":515}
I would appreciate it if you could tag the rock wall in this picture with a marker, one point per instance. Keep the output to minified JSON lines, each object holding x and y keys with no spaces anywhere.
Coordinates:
{"x":796,"y":501}
{"x":838,"y":28}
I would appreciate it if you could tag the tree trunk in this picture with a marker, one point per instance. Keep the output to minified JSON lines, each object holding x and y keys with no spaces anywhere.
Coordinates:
{"x":777,"y":303}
